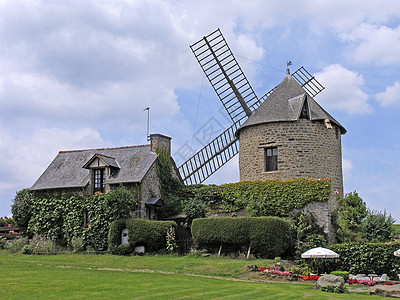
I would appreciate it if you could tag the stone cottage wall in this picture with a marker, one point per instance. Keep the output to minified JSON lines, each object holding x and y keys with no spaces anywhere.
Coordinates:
{"x":150,"y":187}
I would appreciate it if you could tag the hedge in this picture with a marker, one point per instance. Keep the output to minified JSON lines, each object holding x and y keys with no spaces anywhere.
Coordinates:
{"x":141,"y":232}
{"x":366,"y":258}
{"x":267,"y":236}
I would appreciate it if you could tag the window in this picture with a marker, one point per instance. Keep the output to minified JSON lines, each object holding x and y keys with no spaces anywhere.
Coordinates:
{"x":271,"y":159}
{"x":99,"y":179}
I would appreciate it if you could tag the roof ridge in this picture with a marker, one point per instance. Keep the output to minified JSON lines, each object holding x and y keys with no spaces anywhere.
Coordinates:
{"x":112,"y":148}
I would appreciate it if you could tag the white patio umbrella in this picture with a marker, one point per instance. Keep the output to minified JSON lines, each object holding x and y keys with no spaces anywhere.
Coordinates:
{"x":320,"y":252}
{"x":317,"y":253}
{"x":397,"y":253}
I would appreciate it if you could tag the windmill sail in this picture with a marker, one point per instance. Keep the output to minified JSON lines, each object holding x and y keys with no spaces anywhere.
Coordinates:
{"x":308,"y":82}
{"x":212,"y":157}
{"x":225,"y":75}
{"x":238,"y":98}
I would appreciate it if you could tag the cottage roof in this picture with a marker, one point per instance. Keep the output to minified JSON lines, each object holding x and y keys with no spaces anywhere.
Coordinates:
{"x":286,"y":104}
{"x":67,"y":169}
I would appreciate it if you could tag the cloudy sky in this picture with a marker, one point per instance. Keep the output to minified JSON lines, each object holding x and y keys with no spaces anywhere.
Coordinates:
{"x":78,"y":74}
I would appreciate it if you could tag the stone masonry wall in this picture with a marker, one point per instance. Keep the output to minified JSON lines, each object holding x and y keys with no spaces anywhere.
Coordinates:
{"x":150,"y":187}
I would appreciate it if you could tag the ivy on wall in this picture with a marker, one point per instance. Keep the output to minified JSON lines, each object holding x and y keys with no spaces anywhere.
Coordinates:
{"x":61,"y":218}
{"x":264,"y":198}
{"x":170,"y":186}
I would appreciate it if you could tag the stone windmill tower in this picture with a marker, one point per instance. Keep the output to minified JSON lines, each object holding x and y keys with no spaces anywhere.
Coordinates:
{"x":291,"y":136}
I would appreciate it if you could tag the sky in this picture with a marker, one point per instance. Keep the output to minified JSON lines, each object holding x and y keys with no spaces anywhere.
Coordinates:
{"x":78,"y":74}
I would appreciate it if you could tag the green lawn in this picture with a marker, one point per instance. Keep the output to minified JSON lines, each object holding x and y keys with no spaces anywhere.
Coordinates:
{"x":163,"y":277}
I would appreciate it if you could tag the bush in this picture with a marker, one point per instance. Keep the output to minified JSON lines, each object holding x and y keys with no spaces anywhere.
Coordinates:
{"x":267,"y":236}
{"x":16,"y":245}
{"x":194,"y":208}
{"x":365,"y":258}
{"x":2,"y":242}
{"x":151,"y":234}
{"x":21,"y":208}
{"x":344,"y":274}
{"x":378,"y":227}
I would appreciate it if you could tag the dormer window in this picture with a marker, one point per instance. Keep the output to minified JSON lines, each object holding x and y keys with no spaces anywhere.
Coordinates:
{"x":102,"y":168}
{"x":99,"y":180}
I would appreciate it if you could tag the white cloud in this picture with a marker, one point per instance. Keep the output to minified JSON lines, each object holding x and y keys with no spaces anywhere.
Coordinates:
{"x":343,"y":90}
{"x":26,"y":157}
{"x":390,"y":96}
{"x":374,"y":44}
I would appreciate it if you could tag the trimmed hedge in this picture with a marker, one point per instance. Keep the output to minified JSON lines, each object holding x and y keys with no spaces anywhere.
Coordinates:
{"x":141,"y":232}
{"x":366,"y":258}
{"x":267,"y":236}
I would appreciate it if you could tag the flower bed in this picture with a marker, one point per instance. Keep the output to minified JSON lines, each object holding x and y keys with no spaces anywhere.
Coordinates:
{"x":361,"y":281}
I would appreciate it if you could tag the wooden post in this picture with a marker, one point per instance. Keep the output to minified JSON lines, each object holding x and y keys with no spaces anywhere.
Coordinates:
{"x":219,"y":252}
{"x":248,"y":252}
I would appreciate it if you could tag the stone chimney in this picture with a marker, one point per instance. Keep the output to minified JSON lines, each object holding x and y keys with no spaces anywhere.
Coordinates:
{"x":159,"y":141}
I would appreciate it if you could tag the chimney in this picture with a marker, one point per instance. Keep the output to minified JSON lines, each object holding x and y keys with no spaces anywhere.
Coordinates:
{"x":159,"y":141}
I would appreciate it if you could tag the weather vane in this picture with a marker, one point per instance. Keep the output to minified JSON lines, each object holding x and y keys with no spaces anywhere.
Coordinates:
{"x":288,"y":63}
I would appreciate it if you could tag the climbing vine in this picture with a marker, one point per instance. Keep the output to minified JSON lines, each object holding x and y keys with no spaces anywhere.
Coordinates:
{"x":264,"y":198}
{"x":62,"y":218}
{"x":171,"y":187}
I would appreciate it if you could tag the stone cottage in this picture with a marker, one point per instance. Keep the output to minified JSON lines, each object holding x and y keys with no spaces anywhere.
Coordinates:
{"x":291,"y":136}
{"x":90,"y":171}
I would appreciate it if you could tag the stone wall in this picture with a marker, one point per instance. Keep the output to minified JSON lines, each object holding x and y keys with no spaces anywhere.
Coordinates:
{"x":150,"y":187}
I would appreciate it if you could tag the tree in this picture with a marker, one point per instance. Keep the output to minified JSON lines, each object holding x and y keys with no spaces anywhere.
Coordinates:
{"x":352,"y":212}
{"x":378,"y":227}
{"x":21,"y":208}
{"x":194,"y":209}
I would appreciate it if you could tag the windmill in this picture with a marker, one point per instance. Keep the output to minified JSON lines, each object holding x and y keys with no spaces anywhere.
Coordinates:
{"x":238,"y":98}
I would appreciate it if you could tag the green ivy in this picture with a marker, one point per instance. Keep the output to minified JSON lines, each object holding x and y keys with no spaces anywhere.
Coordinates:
{"x":61,"y":218}
{"x":170,"y":186}
{"x":264,"y":198}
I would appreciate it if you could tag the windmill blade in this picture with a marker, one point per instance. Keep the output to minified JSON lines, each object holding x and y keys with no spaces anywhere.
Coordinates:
{"x":212,"y":157}
{"x":308,"y":82}
{"x":225,"y":75}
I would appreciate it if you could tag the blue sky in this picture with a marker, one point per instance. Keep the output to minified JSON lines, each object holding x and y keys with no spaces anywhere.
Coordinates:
{"x":78,"y":74}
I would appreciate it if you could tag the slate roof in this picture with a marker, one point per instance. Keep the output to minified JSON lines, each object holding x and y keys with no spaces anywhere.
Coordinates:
{"x":67,"y":169}
{"x":285,"y":104}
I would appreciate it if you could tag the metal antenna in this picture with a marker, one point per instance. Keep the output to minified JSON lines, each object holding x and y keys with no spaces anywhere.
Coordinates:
{"x":148,"y":122}
{"x":288,"y":63}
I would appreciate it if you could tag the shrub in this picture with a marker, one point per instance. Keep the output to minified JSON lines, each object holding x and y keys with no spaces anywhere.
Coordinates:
{"x":365,"y":258}
{"x":378,"y":227}
{"x":21,"y":208}
{"x":16,"y":245}
{"x":267,"y":236}
{"x":151,"y":234}
{"x":344,"y":274}
{"x":2,"y":242}
{"x":194,"y":208}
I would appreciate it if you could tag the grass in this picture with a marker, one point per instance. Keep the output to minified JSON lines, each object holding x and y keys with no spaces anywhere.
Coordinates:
{"x":163,"y":277}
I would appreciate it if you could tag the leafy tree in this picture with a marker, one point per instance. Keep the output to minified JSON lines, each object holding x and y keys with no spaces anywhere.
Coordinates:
{"x":352,"y":212}
{"x":378,"y":227}
{"x":21,"y":208}
{"x":194,"y":208}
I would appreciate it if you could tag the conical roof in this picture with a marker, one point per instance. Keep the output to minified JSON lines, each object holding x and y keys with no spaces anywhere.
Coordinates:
{"x":286,"y":104}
